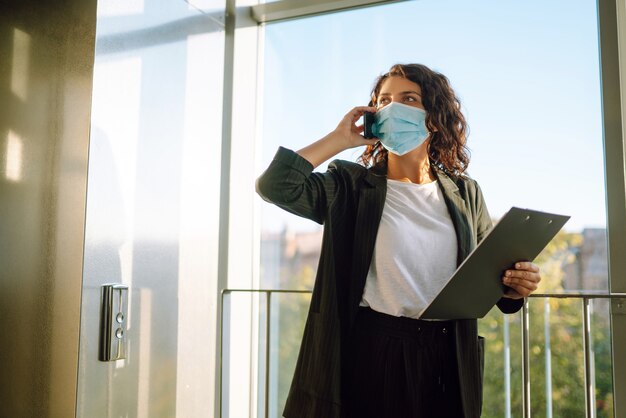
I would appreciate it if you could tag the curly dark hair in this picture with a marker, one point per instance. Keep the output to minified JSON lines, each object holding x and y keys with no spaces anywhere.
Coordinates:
{"x":449,"y":130}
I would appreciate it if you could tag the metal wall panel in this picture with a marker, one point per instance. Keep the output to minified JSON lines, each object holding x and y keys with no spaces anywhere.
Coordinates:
{"x":46,"y":67}
{"x":153,"y":206}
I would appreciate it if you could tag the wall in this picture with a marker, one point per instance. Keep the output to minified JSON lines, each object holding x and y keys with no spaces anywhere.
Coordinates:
{"x":46,"y":67}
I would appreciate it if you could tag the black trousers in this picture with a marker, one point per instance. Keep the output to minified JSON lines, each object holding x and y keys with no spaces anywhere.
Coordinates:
{"x":403,"y":368}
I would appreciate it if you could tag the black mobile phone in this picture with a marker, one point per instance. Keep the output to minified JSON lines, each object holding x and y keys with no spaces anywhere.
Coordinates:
{"x":368,"y":122}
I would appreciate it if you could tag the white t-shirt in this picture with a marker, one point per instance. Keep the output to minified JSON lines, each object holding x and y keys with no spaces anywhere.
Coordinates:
{"x":415,"y":251}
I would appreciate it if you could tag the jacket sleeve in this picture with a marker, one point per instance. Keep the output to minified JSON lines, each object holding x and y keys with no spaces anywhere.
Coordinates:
{"x":506,"y":305}
{"x":290,"y":183}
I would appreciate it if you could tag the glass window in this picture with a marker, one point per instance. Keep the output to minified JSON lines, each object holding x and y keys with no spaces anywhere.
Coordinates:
{"x":527,"y":76}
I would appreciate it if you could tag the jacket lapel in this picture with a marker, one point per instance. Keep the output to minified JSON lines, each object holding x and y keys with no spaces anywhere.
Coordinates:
{"x":457,"y":207}
{"x":369,"y":212}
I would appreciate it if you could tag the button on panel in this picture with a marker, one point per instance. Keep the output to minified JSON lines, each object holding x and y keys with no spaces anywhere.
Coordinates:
{"x":113,"y":314}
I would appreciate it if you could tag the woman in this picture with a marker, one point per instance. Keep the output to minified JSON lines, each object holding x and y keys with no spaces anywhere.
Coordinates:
{"x":395,"y":227}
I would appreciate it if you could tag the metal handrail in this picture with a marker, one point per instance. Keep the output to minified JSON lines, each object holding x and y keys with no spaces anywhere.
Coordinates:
{"x":586,"y":297}
{"x":579,"y":295}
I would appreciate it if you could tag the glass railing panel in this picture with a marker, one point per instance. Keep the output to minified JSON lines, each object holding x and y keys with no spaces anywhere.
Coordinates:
{"x":602,"y":359}
{"x":502,"y":391}
{"x":556,"y":354}
{"x":287,"y":318}
{"x":557,"y":360}
{"x":236,"y":364}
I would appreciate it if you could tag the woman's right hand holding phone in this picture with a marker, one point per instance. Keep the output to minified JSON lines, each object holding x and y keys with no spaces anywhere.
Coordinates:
{"x":345,"y":136}
{"x":351,"y":133}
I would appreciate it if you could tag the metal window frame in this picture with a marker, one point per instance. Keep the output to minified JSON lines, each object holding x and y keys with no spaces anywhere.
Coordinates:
{"x":612,"y":46}
{"x":295,"y":9}
{"x":236,"y":58}
{"x":224,"y":194}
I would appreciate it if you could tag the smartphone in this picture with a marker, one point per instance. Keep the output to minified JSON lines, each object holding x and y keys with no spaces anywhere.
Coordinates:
{"x":368,"y":121}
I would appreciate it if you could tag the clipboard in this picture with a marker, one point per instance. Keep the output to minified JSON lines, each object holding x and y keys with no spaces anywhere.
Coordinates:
{"x":476,"y":285}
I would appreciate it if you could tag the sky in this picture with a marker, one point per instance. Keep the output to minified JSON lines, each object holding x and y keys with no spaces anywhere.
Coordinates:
{"x":527,"y":74}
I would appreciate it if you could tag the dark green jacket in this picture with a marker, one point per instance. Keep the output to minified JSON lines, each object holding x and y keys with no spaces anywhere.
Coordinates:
{"x":348,"y":199}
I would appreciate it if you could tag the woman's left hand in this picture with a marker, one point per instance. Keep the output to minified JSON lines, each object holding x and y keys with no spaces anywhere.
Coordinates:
{"x":522,"y":280}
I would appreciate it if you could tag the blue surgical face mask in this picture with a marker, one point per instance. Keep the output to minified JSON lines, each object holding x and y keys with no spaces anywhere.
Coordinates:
{"x":400,"y":128}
